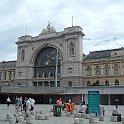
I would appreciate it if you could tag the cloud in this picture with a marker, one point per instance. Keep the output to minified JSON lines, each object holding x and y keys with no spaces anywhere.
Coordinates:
{"x":101,"y":20}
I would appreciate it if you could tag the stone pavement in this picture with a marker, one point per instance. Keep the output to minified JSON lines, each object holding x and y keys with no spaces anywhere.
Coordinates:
{"x":57,"y":120}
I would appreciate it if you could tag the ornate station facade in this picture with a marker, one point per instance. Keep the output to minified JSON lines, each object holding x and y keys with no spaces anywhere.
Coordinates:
{"x":52,"y":64}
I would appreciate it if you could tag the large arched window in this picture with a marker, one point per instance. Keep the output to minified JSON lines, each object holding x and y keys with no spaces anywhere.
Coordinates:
{"x":45,"y":63}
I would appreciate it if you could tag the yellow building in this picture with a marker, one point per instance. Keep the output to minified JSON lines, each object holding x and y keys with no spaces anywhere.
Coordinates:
{"x":104,"y":68}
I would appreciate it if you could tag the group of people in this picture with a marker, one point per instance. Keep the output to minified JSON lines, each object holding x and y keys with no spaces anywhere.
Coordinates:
{"x":18,"y":104}
{"x":21,"y":104}
{"x":68,"y":106}
{"x":28,"y":105}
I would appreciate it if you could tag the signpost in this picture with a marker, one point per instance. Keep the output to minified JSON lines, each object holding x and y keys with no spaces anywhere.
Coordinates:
{"x":93,"y":101}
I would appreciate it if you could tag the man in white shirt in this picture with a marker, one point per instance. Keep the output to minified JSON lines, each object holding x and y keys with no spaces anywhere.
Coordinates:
{"x":32,"y":101}
{"x":8,"y":102}
{"x":115,"y":113}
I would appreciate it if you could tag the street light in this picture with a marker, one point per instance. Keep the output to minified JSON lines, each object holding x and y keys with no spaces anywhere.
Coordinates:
{"x":56,"y":71}
{"x":55,"y":57}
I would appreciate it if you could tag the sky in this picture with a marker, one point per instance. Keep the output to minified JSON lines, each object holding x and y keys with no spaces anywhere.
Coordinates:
{"x":102,"y":22}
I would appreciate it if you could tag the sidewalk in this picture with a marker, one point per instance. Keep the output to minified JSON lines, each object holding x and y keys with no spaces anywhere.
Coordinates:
{"x":57,"y":120}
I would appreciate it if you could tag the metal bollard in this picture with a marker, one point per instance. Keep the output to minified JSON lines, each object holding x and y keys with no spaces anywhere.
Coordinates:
{"x":87,"y":116}
{"x":21,"y":119}
{"x":81,"y":121}
{"x":76,"y":120}
{"x":32,"y":112}
{"x":46,"y":117}
{"x":91,"y":120}
{"x":28,"y":120}
{"x":75,"y":115}
{"x":40,"y":112}
{"x":101,"y":118}
{"x":7,"y":116}
{"x":79,"y":115}
{"x":11,"y":121}
{"x":68,"y":114}
{"x":83,"y":115}
{"x":41,"y":117}
{"x":36,"y":116}
{"x":122,"y":120}
{"x":37,"y":112}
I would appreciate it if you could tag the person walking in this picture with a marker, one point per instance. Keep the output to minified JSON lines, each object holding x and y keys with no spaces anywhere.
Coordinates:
{"x":32,"y":102}
{"x":20,"y":103}
{"x":17,"y":104}
{"x":8,"y":101}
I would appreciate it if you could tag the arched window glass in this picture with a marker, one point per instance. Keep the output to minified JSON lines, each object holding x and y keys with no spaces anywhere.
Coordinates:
{"x":106,"y":70}
{"x":70,"y":84}
{"x":88,"y":83}
{"x":71,"y":51}
{"x":116,"y":82}
{"x":97,"y":70}
{"x":88,"y":71}
{"x":106,"y":83}
{"x":45,"y":64}
{"x":116,"y":69}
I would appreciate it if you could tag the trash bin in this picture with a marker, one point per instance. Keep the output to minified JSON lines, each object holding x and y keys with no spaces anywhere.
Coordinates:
{"x":57,"y":110}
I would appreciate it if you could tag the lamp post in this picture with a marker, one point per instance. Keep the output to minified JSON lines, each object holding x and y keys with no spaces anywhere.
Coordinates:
{"x":56,"y":69}
{"x":54,"y":56}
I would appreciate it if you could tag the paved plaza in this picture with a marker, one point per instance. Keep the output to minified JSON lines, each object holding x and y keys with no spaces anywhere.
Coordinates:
{"x":57,"y":120}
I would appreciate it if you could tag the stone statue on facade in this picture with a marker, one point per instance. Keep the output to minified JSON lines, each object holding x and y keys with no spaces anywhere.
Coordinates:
{"x":49,"y":29}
